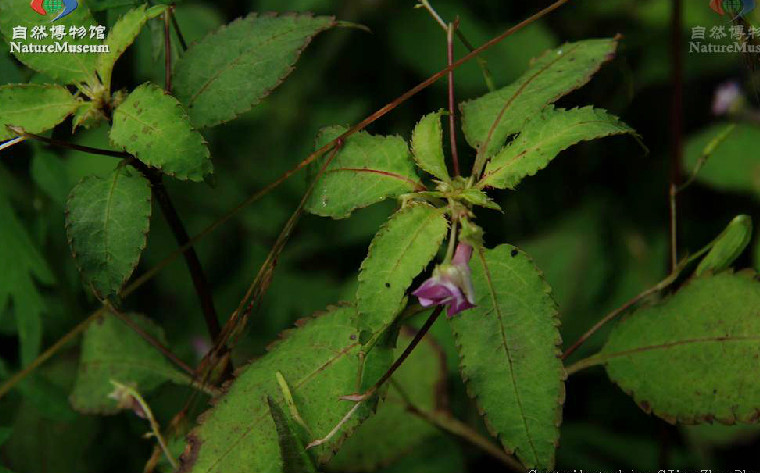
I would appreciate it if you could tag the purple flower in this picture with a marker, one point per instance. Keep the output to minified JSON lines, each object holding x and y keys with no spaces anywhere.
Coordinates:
{"x":451,"y":284}
{"x":727,"y":98}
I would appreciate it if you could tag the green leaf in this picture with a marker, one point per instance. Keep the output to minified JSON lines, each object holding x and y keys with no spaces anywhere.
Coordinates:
{"x":231,"y":70}
{"x":21,"y":264}
{"x":35,"y":108}
{"x":543,"y":138}
{"x":554,"y":74}
{"x":508,"y":348}
{"x":402,"y":248}
{"x":366,"y":170}
{"x":727,"y":246}
{"x":153,"y":126}
{"x":122,"y":35}
{"x":111,"y":350}
{"x":320,"y":362}
{"x":393,"y":430}
{"x":294,"y":456}
{"x":68,"y":68}
{"x":693,"y":358}
{"x":427,"y":146}
{"x":107,"y":222}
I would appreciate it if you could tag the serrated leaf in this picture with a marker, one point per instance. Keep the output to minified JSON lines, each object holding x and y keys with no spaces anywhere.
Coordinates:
{"x":74,"y":67}
{"x":320,"y":362}
{"x":508,"y":348}
{"x":232,"y":69}
{"x":543,"y":138}
{"x":550,"y":76}
{"x":111,"y":350}
{"x":402,"y":248}
{"x":427,"y":146}
{"x":693,"y":358}
{"x":122,"y":35}
{"x":153,"y":126}
{"x":727,"y":246}
{"x":366,"y":170}
{"x":107,"y":222}
{"x":35,"y":108}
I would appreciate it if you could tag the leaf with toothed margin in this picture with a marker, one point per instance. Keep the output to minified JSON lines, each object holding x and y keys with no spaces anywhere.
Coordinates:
{"x":107,"y":222}
{"x":111,"y":350}
{"x":320,"y":362}
{"x":364,"y":171}
{"x":509,"y":351}
{"x":695,"y":356}
{"x":550,"y":76}
{"x":402,"y":248}
{"x":35,"y":108}
{"x":232,"y":69}
{"x":154,"y":127}
{"x":543,"y":138}
{"x":427,"y":146}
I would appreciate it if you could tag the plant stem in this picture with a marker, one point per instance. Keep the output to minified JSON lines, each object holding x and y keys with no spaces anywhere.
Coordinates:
{"x":676,"y":122}
{"x":706,"y":154}
{"x":72,"y":146}
{"x":175,"y":23}
{"x":452,"y":111}
{"x":167,"y":51}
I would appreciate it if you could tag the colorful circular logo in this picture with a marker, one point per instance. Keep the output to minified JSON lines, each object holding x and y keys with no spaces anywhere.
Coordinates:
{"x":734,"y":8}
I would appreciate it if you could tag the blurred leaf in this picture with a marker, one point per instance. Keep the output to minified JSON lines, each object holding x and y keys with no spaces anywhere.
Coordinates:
{"x":400,"y":251}
{"x":49,"y":173}
{"x":10,"y":73}
{"x":727,"y":246}
{"x":551,"y":76}
{"x":294,"y":456}
{"x":320,"y":362}
{"x":439,"y":454}
{"x":231,"y":70}
{"x":394,"y":431}
{"x":691,"y":358}
{"x":543,"y":138}
{"x":509,"y":354}
{"x":111,"y":350}
{"x":35,"y":108}
{"x":107,"y":222}
{"x":365,"y":170}
{"x":153,"y":126}
{"x":427,"y":146}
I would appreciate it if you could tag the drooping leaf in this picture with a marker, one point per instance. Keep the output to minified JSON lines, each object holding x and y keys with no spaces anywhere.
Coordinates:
{"x":153,"y":126}
{"x":508,"y":348}
{"x":294,"y":456}
{"x":692,"y":357}
{"x":232,"y":69}
{"x":320,"y":362}
{"x":107,"y":223}
{"x":727,"y":246}
{"x":366,"y":170}
{"x":21,"y":264}
{"x":552,"y":75}
{"x":392,"y":431}
{"x":399,"y":252}
{"x":111,"y":350}
{"x":427,"y":146}
{"x":74,"y":67}
{"x":35,"y":108}
{"x":121,"y":36}
{"x":543,"y":138}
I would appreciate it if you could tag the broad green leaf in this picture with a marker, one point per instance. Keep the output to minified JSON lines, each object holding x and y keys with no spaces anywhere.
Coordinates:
{"x":543,"y":138}
{"x":65,"y":67}
{"x":294,"y":456}
{"x":393,"y":431}
{"x":121,"y":37}
{"x":552,"y":75}
{"x":112,"y":350}
{"x":427,"y":146}
{"x":231,"y":70}
{"x":320,"y":362}
{"x":693,"y":358}
{"x":21,"y":264}
{"x":508,"y":348}
{"x":35,"y":108}
{"x":153,"y":126}
{"x":366,"y":170}
{"x":399,"y":252}
{"x":727,"y":246}
{"x":107,"y":222}
{"x":732,"y":166}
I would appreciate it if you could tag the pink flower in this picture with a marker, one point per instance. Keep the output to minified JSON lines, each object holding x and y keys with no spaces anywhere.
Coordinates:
{"x":451,"y":284}
{"x":728,"y":97}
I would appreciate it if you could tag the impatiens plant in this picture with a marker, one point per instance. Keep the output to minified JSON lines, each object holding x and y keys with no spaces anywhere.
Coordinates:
{"x":332,"y":391}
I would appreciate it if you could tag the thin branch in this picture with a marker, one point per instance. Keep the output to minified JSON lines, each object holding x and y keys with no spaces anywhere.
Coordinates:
{"x":177,"y":30}
{"x":11,"y":142}
{"x":72,"y":146}
{"x":452,"y":110}
{"x":676,"y":122}
{"x":706,"y":154}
